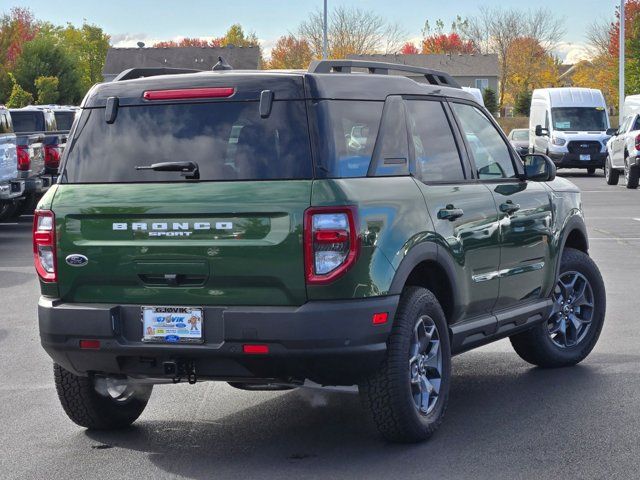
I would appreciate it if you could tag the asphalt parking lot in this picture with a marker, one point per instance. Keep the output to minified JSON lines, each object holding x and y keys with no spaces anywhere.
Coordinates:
{"x":506,"y":419}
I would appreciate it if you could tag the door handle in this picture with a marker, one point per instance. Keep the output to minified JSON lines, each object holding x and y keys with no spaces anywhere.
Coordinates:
{"x":450,"y":213}
{"x":509,"y":207}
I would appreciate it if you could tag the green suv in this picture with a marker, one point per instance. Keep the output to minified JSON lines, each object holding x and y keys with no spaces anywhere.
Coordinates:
{"x":339,"y":226}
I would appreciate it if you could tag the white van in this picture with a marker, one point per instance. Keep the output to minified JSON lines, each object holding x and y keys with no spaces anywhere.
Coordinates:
{"x":570,"y":126}
{"x":631,"y":106}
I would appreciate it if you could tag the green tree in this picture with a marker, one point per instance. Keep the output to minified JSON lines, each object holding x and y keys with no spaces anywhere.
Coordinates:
{"x":43,"y":57}
{"x":490,"y":100}
{"x":523,"y":103}
{"x":47,"y":89}
{"x":19,"y":97}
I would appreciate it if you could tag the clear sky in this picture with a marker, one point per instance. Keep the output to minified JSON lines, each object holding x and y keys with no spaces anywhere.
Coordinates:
{"x":149,"y":21}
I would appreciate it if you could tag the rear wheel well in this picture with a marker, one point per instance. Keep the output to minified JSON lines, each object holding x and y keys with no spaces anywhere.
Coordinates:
{"x":576,"y":239}
{"x":433,"y":277}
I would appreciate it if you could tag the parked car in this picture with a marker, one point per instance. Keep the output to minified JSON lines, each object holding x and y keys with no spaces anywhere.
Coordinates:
{"x":519,"y":138}
{"x":250,"y":239}
{"x":623,"y":151}
{"x":64,"y":115}
{"x":11,"y":187}
{"x":569,"y":125}
{"x":39,"y":136}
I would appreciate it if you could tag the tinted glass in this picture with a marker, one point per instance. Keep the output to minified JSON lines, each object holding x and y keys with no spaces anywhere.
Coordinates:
{"x":579,"y":118}
{"x":5,"y":122}
{"x":27,"y":121}
{"x":347,"y":132}
{"x":636,"y":124}
{"x":490,"y":151}
{"x":391,"y":153}
{"x":228,"y":141}
{"x":64,"y":120}
{"x":520,"y":135}
{"x":437,"y":156}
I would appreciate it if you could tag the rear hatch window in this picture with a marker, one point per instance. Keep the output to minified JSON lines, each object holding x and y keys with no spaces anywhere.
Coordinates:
{"x":227,"y":140}
{"x":64,"y":120}
{"x":27,"y":122}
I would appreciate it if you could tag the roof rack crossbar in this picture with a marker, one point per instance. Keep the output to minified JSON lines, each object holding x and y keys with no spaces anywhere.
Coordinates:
{"x":132,"y":73}
{"x":434,"y":77}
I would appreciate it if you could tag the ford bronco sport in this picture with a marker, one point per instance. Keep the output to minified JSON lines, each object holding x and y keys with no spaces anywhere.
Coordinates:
{"x":341,"y":226}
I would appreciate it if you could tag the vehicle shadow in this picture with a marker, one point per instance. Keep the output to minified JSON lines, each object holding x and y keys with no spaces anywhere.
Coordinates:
{"x":500,"y":409}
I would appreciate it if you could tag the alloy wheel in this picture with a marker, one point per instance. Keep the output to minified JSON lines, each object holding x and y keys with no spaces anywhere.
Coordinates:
{"x":573,"y":309}
{"x":425,"y":365}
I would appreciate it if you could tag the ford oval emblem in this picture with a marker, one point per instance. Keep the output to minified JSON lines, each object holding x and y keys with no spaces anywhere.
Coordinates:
{"x":171,"y":338}
{"x":77,"y":260}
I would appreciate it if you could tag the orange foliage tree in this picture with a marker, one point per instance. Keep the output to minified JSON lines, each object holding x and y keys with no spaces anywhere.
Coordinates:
{"x":290,"y":52}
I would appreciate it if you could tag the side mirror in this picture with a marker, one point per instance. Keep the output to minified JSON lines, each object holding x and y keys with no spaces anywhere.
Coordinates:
{"x":612,"y":132}
{"x":541,"y":132}
{"x":539,"y":168}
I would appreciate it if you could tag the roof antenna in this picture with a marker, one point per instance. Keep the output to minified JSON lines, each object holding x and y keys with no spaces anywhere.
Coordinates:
{"x":222,"y":65}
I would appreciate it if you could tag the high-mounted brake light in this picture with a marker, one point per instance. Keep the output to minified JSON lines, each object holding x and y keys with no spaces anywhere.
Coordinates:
{"x":44,"y":244}
{"x":255,"y":349}
{"x":187,"y":93}
{"x":24,"y":161}
{"x":331,"y":243}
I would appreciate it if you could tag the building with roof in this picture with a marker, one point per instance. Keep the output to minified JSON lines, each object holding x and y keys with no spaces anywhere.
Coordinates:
{"x":478,"y":71}
{"x":197,"y":58}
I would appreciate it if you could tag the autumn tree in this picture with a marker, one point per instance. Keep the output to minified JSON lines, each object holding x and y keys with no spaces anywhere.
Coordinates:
{"x":495,"y":30}
{"x":185,"y":42}
{"x":19,"y":97}
{"x":409,"y":49}
{"x":16,"y":28}
{"x":290,"y":52}
{"x":438,"y":41}
{"x":351,"y":31}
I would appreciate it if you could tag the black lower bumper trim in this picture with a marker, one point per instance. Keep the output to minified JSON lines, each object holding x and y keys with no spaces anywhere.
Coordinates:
{"x":326,"y":341}
{"x":572,"y":160}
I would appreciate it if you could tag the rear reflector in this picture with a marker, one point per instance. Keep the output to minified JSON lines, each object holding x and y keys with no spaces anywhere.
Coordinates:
{"x":89,"y":344}
{"x":186,"y":93}
{"x":255,"y":349}
{"x":380,"y":318}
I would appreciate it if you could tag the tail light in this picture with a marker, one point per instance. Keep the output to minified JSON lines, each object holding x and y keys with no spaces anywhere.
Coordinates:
{"x":52,"y":156}
{"x":44,"y":244}
{"x":331,"y":242}
{"x":24,"y":161}
{"x":637,"y":142}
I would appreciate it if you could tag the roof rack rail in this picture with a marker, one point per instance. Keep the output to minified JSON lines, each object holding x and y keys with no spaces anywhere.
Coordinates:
{"x":434,"y":77}
{"x":132,"y":73}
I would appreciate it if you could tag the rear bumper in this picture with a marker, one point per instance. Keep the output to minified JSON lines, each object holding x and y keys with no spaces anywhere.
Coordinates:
{"x":38,"y":184}
{"x":572,"y":160}
{"x":330,"y":342}
{"x":12,"y":190}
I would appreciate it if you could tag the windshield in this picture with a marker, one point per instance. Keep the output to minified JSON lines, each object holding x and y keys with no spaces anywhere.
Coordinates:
{"x":520,"y":135}
{"x":228,"y":141}
{"x":579,"y":118}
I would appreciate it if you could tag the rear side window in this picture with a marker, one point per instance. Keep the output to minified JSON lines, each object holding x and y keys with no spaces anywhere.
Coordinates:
{"x":228,"y":141}
{"x":489,"y":150}
{"x":347,"y":132}
{"x":5,"y":122}
{"x":437,"y":156}
{"x":27,"y":121}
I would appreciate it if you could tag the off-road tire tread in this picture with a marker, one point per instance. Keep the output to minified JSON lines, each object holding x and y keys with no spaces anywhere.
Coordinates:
{"x":386,"y":404}
{"x":87,"y":408}
{"x":534,"y":346}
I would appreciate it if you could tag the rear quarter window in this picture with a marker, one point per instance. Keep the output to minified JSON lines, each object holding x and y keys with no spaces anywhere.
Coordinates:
{"x":27,"y":121}
{"x":228,"y":141}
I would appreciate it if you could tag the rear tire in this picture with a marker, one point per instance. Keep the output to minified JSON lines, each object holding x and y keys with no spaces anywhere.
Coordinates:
{"x":557,"y":342}
{"x":591,"y":171}
{"x":99,"y":411}
{"x":611,"y":175}
{"x":408,"y":396}
{"x":28,"y":205}
{"x":7,"y":210}
{"x":632,"y":175}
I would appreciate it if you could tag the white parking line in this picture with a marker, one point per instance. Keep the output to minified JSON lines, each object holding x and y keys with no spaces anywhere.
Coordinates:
{"x":617,"y":239}
{"x":637,"y":219}
{"x":16,"y":223}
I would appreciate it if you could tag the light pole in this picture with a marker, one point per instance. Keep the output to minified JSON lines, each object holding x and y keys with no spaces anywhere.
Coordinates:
{"x":621,"y":62}
{"x":324,"y":32}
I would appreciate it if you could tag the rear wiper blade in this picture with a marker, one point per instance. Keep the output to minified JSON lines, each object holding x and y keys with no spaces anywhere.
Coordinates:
{"x":188,"y":169}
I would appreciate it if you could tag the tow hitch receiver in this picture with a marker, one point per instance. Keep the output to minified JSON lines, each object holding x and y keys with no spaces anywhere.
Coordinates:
{"x":179,"y":369}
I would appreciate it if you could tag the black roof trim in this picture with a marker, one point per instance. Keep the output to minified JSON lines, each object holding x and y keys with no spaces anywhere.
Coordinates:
{"x":151,"y":72}
{"x":434,"y":77}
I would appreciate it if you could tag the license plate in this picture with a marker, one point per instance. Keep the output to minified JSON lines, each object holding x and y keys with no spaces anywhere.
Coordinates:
{"x":585,"y":157}
{"x":172,"y":324}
